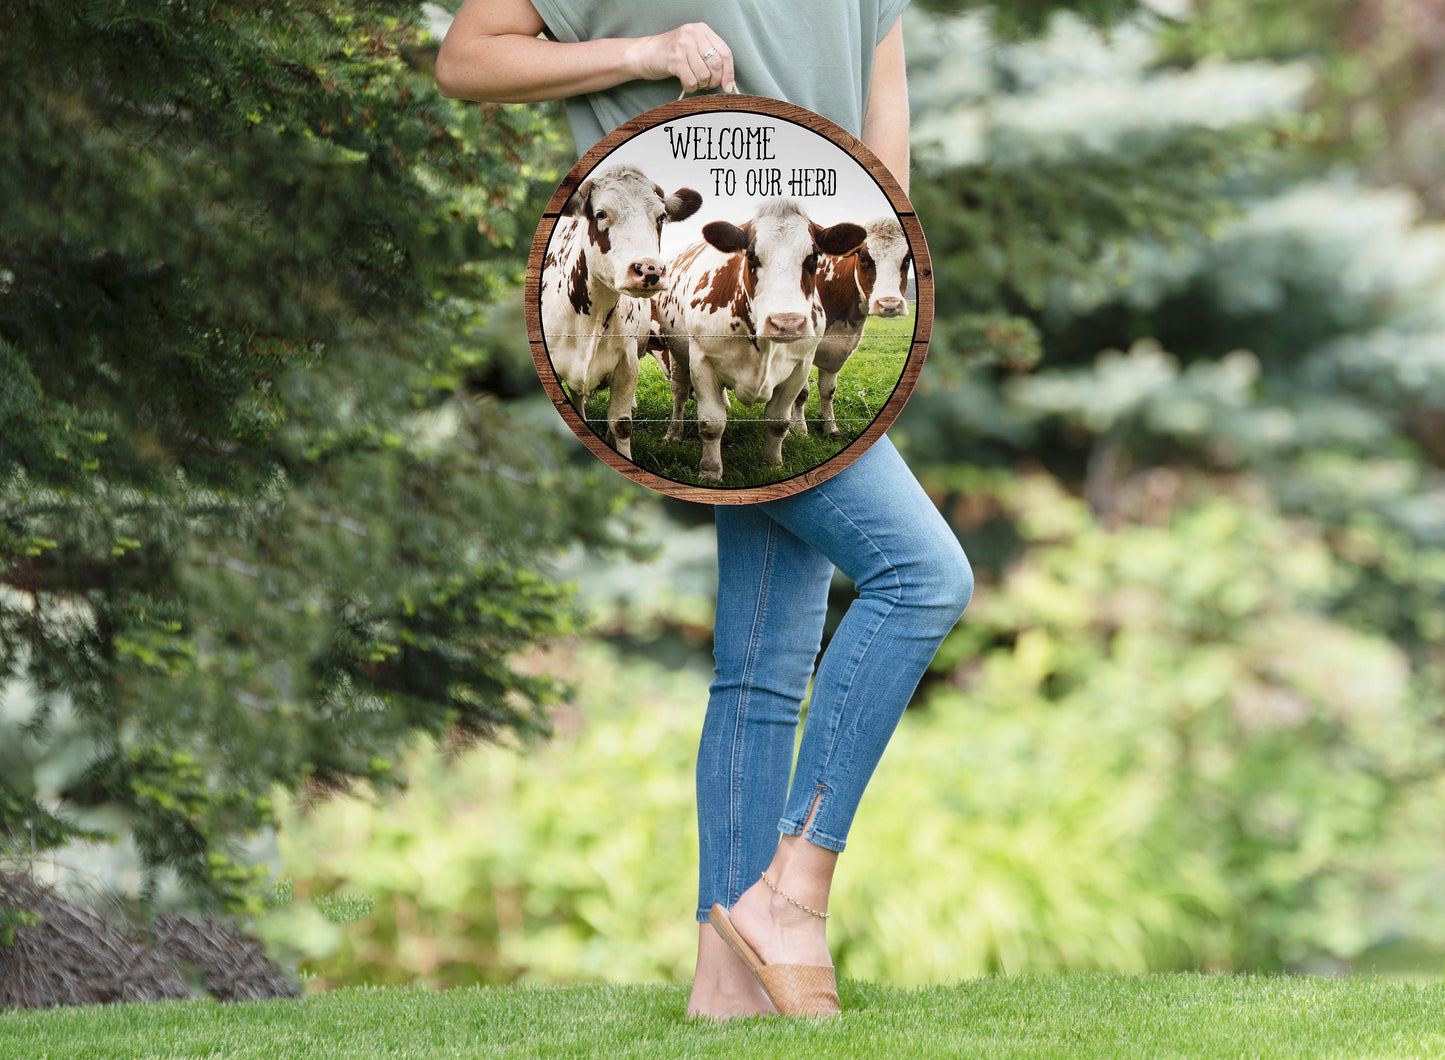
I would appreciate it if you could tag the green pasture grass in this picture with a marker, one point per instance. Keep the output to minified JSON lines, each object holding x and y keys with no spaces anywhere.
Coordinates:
{"x":866,"y":382}
{"x":1074,"y":1016}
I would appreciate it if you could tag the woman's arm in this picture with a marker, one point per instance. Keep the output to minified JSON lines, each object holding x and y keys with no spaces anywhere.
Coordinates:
{"x":885,"y":123}
{"x":492,"y":53}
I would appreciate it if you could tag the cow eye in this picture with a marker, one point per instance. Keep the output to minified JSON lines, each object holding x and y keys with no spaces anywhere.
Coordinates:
{"x":865,"y":257}
{"x":599,"y":216}
{"x":810,"y":262}
{"x":753,"y":261}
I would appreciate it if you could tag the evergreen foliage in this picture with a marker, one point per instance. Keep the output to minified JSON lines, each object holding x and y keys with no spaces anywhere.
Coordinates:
{"x":1279,"y":315}
{"x":1030,"y":17}
{"x":260,"y":520}
{"x":1379,"y":88}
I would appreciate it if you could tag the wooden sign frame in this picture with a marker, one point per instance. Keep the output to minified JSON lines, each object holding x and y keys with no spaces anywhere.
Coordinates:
{"x":923,"y":310}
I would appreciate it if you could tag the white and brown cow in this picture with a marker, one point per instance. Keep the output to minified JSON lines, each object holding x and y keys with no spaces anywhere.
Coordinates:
{"x":868,"y":281}
{"x":743,"y":313}
{"x":602,"y":268}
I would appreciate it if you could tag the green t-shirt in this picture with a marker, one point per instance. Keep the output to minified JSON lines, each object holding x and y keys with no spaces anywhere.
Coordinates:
{"x":817,"y":54}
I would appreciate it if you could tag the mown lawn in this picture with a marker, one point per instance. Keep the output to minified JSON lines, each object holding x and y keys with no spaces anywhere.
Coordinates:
{"x":1067,"y":1016}
{"x":864,"y":386}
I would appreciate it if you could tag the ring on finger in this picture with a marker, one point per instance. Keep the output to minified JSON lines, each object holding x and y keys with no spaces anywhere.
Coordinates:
{"x":708,"y":54}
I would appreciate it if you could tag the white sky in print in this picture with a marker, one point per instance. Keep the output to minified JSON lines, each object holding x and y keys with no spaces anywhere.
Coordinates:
{"x":857,"y":198}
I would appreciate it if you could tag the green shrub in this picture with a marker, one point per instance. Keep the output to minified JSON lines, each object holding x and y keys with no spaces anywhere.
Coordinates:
{"x":1150,"y":751}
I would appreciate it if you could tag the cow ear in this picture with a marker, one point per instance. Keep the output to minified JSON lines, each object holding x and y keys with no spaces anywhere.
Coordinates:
{"x":724,"y":235}
{"x":841,"y":238}
{"x":576,"y":205}
{"x":816,"y":231}
{"x":682,"y":204}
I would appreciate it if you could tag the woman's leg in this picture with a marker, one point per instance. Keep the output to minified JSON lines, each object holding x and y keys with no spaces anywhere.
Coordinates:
{"x":874,"y":521}
{"x":772,"y":600}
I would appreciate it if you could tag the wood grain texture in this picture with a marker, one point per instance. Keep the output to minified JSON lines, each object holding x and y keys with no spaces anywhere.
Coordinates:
{"x":923,"y":311}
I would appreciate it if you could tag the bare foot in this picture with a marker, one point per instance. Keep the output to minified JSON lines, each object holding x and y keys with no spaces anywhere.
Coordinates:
{"x":779,"y":931}
{"x":722,"y":987}
{"x":720,"y":1009}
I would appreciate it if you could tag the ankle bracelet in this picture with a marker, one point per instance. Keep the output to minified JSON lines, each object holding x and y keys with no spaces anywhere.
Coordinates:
{"x":790,"y":898}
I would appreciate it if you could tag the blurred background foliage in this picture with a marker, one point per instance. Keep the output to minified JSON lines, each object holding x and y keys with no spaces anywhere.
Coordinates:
{"x":1184,"y":406}
{"x":1147,"y":748}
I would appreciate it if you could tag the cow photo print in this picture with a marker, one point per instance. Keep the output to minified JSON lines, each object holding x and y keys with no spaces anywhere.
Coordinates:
{"x":727,"y":299}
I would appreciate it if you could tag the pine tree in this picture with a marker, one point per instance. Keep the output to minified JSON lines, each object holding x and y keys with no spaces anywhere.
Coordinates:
{"x":1208,"y":215}
{"x":264,"y":513}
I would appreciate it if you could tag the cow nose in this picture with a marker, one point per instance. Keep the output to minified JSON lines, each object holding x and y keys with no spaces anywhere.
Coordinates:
{"x":645,"y":272}
{"x":784,"y":325}
{"x":890,"y":307}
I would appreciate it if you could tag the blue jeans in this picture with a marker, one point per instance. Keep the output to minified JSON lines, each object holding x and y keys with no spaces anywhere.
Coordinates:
{"x":775,"y":563}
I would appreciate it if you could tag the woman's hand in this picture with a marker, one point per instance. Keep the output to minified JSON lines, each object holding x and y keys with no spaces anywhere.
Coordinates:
{"x":680,"y":53}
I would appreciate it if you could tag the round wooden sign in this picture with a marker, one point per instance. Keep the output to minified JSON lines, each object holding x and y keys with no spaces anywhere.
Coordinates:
{"x":729,"y":299}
